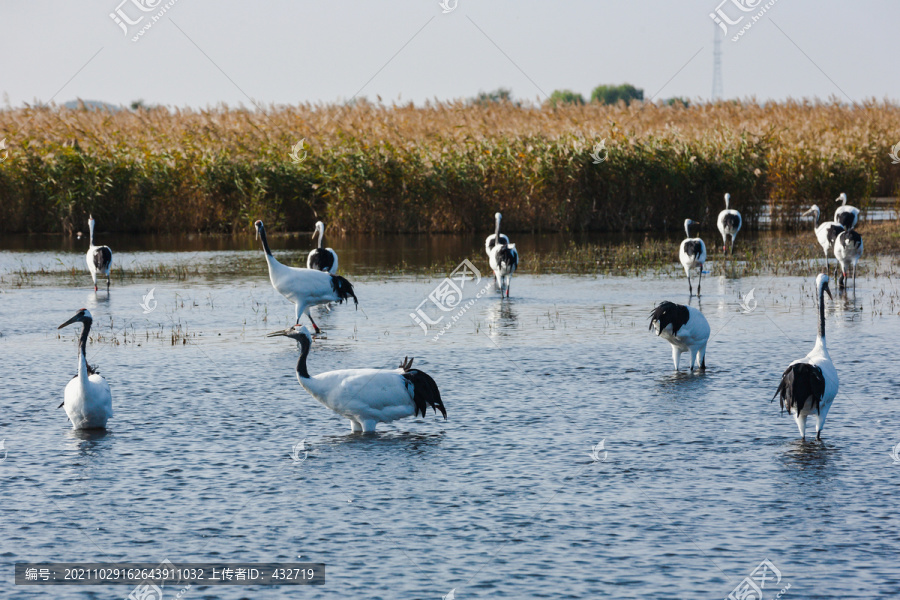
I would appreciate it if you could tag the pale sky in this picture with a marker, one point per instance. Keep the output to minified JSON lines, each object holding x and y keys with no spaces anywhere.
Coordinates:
{"x":203,"y":52}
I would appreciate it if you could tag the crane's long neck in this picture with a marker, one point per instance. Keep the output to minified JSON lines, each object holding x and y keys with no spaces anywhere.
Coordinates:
{"x":302,"y":373}
{"x":82,"y":350}
{"x":322,"y":238}
{"x":820,"y":339}
{"x":91,"y":234}
{"x":265,"y":241}
{"x":727,"y":200}
{"x":497,"y":231}
{"x":687,"y":229}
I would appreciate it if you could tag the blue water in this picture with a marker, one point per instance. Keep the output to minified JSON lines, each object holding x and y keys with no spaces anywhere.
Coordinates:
{"x":699,"y":480}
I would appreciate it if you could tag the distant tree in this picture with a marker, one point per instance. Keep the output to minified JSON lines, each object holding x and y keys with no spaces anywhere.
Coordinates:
{"x":498,"y":95}
{"x":138,"y":105}
{"x":677,"y":101}
{"x":611,"y":94}
{"x":565,"y":97}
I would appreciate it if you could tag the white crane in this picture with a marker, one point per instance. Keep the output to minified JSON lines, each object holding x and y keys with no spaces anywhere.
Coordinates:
{"x":847,"y":216}
{"x":87,"y":399}
{"x":367,"y":396}
{"x":503,"y":256}
{"x":729,"y":224}
{"x":692,"y":254}
{"x":685,"y":328}
{"x":826,"y":233}
{"x":99,"y":258}
{"x":322,"y":258}
{"x":848,"y":248}
{"x":811,"y":383}
{"x":304,"y":287}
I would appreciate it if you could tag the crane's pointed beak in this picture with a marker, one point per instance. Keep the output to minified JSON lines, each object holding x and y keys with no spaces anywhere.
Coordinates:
{"x":314,"y":234}
{"x":284,"y":332}
{"x":827,"y":291}
{"x":70,"y":321}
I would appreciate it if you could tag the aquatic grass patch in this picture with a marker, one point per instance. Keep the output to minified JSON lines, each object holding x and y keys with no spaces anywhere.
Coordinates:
{"x":442,"y":167}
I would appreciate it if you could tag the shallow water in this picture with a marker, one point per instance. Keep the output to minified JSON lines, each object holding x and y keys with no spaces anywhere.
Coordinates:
{"x":700,"y":477}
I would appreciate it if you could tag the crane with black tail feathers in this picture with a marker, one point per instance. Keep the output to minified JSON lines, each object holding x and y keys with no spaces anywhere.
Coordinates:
{"x":826,"y":233}
{"x":304,"y":287}
{"x":810,"y":384}
{"x":729,"y":223}
{"x":848,"y":249}
{"x":98,"y":258}
{"x":686,"y":330}
{"x":502,"y":256}
{"x":846,"y":215}
{"x":322,"y":258}
{"x":692,"y":253}
{"x":367,"y":396}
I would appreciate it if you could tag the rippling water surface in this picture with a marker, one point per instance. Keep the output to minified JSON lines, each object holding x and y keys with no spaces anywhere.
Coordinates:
{"x":699,"y":479}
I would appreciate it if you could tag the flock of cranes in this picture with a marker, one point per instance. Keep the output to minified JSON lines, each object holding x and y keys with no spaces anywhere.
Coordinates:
{"x":810,"y":384}
{"x":367,"y":397}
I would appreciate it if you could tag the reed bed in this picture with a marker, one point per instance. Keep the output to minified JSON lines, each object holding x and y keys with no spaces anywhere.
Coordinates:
{"x":444,"y":167}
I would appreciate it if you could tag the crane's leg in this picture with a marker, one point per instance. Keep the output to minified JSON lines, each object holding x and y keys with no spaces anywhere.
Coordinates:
{"x":732,"y":245}
{"x":368,"y":426}
{"x":107,"y":282}
{"x":94,"y":279}
{"x":801,"y":424}
{"x":690,"y":287}
{"x":854,"y":277}
{"x":355,"y":427}
{"x":701,"y":357}
{"x":699,"y":281}
{"x":315,"y":327}
{"x":508,"y":281}
{"x":676,"y":356}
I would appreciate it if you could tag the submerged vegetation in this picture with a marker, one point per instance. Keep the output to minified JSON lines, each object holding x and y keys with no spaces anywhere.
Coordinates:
{"x":442,"y":167}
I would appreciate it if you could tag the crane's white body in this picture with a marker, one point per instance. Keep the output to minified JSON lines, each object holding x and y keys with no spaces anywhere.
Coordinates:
{"x":692,"y":254}
{"x":726,"y":224}
{"x":87,"y":399}
{"x":846,"y":214}
{"x":826,"y":233}
{"x":691,"y":337}
{"x":503,"y":256}
{"x":320,"y":231}
{"x":364,"y":396}
{"x":94,"y":258}
{"x":847,"y":252}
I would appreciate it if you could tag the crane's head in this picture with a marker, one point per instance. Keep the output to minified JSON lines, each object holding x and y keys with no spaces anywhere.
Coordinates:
{"x":813,"y":210}
{"x":822,"y":284}
{"x":320,"y":229}
{"x":842,"y":198}
{"x":497,"y":216}
{"x":259,"y":226}
{"x":296,"y":332}
{"x":82,"y":316}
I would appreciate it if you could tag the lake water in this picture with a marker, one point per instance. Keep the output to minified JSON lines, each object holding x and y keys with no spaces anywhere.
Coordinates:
{"x":699,"y":480}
